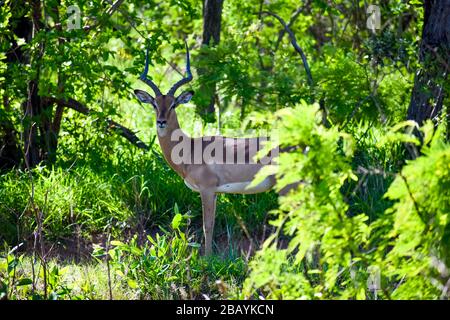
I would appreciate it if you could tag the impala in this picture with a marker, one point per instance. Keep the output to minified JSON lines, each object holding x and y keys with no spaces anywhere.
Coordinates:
{"x":209,"y":165}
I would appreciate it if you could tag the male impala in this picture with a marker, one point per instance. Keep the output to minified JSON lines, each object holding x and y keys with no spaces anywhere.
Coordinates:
{"x":208,"y":165}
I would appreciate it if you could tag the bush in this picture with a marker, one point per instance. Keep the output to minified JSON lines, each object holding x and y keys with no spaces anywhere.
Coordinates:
{"x":322,"y":250}
{"x":324,"y":243}
{"x":416,"y":254}
{"x":67,"y":199}
{"x":168,"y":265}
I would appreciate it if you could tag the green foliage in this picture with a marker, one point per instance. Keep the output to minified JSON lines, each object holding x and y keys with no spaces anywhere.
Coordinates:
{"x":418,"y":252}
{"x":164,"y":266}
{"x":10,"y":279}
{"x":67,"y":200}
{"x":331,"y":253}
{"x":168,"y":266}
{"x":41,"y":282}
{"x":323,"y":239}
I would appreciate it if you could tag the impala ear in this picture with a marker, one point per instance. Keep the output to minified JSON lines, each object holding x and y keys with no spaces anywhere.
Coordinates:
{"x":144,"y":97}
{"x":185,"y":97}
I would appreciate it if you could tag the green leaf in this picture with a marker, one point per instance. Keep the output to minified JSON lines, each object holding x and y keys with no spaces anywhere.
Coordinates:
{"x":132,"y":283}
{"x":24,"y":282}
{"x":176,"y":221}
{"x":117,"y":243}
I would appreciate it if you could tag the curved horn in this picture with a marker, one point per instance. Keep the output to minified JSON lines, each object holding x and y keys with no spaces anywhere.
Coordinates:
{"x":188,"y":73}
{"x":144,"y":78}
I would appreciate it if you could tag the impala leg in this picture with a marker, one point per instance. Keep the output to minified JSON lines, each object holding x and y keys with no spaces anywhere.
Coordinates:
{"x":209,"y":215}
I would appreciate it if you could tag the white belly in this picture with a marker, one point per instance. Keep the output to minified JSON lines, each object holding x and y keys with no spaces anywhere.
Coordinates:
{"x":242,"y":187}
{"x":238,"y":187}
{"x":190,"y":186}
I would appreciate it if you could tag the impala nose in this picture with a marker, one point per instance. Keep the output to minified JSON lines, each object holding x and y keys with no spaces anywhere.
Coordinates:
{"x":161,"y":123}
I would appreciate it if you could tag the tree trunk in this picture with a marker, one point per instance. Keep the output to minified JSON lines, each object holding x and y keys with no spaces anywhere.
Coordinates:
{"x":56,"y":123}
{"x":9,"y":148}
{"x":212,"y":19}
{"x":39,"y":141}
{"x":23,"y":28}
{"x":31,"y":110}
{"x":10,"y":151}
{"x":35,"y":120}
{"x":428,"y":93}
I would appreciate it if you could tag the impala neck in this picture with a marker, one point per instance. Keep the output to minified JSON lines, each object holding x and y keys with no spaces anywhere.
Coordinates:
{"x":167,"y":143}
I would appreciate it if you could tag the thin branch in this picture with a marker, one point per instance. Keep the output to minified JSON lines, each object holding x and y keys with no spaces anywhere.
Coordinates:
{"x":114,"y":7}
{"x":413,"y":199}
{"x":127,"y":134}
{"x":294,"y":44}
{"x":56,"y":124}
{"x":293,"y":18}
{"x":120,"y":129}
{"x":144,"y":36}
{"x":110,"y":11}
